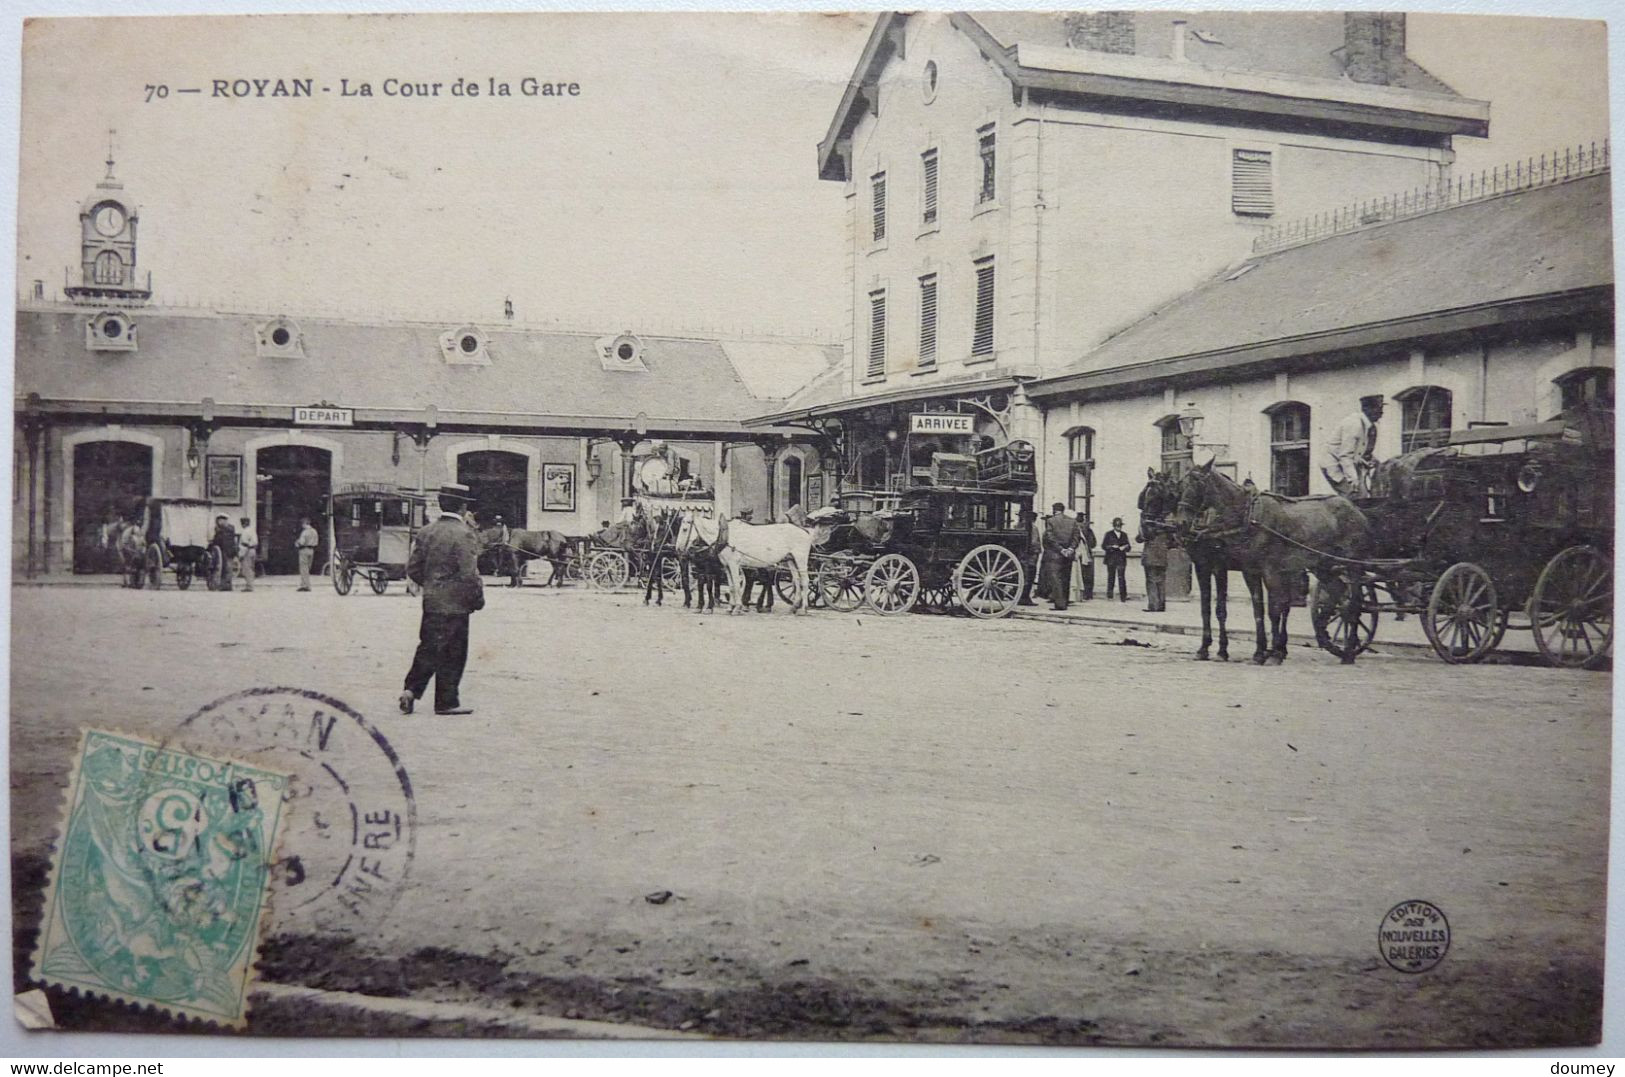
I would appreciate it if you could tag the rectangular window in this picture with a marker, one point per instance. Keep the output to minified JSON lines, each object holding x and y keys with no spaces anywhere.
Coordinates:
{"x":1252,"y":183}
{"x":981,"y":341}
{"x":928,"y":321}
{"x":1289,"y":449}
{"x":928,"y":185}
{"x":1081,"y":473}
{"x":878,"y":182}
{"x":877,"y":334}
{"x":985,"y":149}
{"x":1425,"y":419}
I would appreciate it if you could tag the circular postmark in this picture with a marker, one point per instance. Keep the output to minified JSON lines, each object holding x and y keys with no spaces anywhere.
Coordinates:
{"x":349,"y":835}
{"x":1414,"y":936}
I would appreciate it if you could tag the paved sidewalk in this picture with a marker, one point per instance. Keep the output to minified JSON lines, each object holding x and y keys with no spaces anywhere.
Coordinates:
{"x":1185,"y":618}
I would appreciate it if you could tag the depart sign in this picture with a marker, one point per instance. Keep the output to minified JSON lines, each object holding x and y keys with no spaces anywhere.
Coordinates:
{"x":323,"y":416}
{"x":940,"y":423}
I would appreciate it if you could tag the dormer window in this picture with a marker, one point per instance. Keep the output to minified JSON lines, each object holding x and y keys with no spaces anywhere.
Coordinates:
{"x":279,"y":338}
{"x":110,"y":331}
{"x":466,"y":346}
{"x":623,"y":352}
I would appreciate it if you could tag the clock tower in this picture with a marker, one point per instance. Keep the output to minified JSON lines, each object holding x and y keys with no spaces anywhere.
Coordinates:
{"x":107,"y":223}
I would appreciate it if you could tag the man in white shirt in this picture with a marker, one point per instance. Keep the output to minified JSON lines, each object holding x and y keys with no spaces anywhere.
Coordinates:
{"x":1347,"y":461}
{"x":306,"y":543}
{"x":248,"y":545}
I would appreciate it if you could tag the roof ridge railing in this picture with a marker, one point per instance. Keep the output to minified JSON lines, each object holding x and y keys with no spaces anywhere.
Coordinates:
{"x":1524,"y":175}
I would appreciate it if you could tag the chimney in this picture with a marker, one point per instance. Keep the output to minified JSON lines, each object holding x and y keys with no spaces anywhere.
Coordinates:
{"x":1101,"y":31}
{"x":1179,"y":41}
{"x":1374,"y":46}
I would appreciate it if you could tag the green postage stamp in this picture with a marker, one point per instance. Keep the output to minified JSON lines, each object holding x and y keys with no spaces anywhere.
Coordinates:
{"x":160,"y":878}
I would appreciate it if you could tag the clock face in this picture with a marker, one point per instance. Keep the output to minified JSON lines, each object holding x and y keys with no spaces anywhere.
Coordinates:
{"x":109,"y":219}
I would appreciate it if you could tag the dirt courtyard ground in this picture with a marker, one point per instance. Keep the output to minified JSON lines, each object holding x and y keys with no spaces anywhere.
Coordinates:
{"x":917,"y":828}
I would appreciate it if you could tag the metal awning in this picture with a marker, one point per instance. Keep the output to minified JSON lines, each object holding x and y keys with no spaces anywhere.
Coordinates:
{"x":907,"y":394}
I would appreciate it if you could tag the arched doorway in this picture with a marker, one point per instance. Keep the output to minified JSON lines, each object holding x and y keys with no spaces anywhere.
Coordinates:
{"x":499,"y":484}
{"x":109,"y":480}
{"x":291,"y":482}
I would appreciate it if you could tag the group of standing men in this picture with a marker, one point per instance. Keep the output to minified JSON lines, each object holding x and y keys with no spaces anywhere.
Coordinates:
{"x":1064,"y":540}
{"x":240,"y":552}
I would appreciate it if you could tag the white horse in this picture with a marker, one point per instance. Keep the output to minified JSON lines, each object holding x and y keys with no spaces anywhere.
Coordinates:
{"x":752,"y":546}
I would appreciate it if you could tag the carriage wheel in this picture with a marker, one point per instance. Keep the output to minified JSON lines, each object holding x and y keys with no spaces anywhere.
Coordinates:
{"x":183,"y":574}
{"x":1462,"y":614}
{"x":988,"y":581}
{"x":378,"y":582}
{"x":1572,"y":609}
{"x":575,"y":569}
{"x":839,"y":582}
{"x":607,"y":570}
{"x":135,"y":571}
{"x":784,"y":585}
{"x":212,"y":562}
{"x":671,"y":573}
{"x":155,"y":566}
{"x":1333,"y":630}
{"x":343,"y":575}
{"x":892,"y":585}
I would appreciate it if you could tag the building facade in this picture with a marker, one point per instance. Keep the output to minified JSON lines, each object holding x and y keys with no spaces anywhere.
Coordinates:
{"x":266,"y":414}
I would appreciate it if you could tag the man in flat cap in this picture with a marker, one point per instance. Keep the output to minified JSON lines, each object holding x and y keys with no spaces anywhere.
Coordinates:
{"x":1348,"y":460}
{"x":445,"y":562}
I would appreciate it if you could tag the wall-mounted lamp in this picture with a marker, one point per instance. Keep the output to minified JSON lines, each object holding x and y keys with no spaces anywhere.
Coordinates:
{"x":595,"y":467}
{"x":640,"y":425}
{"x":194,"y":460}
{"x":1190,"y":421}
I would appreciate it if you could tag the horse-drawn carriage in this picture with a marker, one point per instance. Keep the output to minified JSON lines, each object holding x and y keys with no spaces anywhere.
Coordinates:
{"x":1504,"y":527}
{"x":171,"y":534}
{"x":964,"y":543}
{"x":370,"y":531}
{"x":626,"y":551}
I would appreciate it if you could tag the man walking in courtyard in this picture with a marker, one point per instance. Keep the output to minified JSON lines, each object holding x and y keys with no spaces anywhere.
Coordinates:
{"x":1061,"y":539}
{"x":306,"y":545}
{"x":225,"y":540}
{"x":445,"y":562}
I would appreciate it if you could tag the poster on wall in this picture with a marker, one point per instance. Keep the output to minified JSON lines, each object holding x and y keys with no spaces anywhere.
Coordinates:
{"x":224,"y":480}
{"x":558,"y":487}
{"x":815,"y":491}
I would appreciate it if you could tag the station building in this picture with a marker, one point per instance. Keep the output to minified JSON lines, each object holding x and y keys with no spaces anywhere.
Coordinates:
{"x":266,"y":413}
{"x":1074,"y":229}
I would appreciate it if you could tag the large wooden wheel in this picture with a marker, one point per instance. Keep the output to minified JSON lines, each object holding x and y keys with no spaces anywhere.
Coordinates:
{"x":607,"y":570}
{"x":671,"y":573}
{"x":1335,"y":630}
{"x":183,"y":574}
{"x":892,"y":585}
{"x":1572,"y":609}
{"x":840,"y":583}
{"x":575,"y":569}
{"x":343,"y":574}
{"x":988,"y":581}
{"x":214,"y":563}
{"x":135,"y":571}
{"x":1462,"y":614}
{"x":155,"y":566}
{"x":378,"y":581}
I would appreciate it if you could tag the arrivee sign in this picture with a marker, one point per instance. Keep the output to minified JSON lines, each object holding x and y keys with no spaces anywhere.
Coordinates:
{"x":323,"y":416}
{"x":940,"y":423}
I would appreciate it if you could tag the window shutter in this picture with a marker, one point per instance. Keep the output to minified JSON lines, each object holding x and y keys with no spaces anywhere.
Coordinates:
{"x":928,"y":321}
{"x":877,"y":334}
{"x":1252,"y":186}
{"x":929,"y":162}
{"x":880,"y":205}
{"x":982,"y":332}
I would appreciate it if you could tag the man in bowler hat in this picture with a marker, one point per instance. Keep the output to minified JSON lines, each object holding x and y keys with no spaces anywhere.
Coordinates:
{"x":444,"y":562}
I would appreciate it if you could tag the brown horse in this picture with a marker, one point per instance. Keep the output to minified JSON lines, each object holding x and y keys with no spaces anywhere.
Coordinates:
{"x":522,"y":546}
{"x":1273,"y":540}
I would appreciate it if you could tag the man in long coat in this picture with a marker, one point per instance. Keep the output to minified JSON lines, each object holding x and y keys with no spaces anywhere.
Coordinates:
{"x":1061,"y":539}
{"x":445,"y":562}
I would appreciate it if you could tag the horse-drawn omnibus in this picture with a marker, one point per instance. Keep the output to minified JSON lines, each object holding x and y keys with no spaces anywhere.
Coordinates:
{"x":171,"y":534}
{"x":370,"y":531}
{"x":1504,"y":527}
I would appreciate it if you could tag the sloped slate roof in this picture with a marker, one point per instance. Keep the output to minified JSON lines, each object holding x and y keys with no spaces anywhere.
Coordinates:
{"x":1539,"y":242}
{"x":189,"y":355}
{"x":1305,"y":43}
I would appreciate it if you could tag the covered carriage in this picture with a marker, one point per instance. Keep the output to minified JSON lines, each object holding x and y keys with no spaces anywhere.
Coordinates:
{"x":172,"y":534}
{"x":628,"y":550}
{"x":1503,"y":527}
{"x":370,"y":531}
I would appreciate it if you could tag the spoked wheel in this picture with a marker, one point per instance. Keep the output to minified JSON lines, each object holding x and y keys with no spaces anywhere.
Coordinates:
{"x":1335,"y":631}
{"x":1572,"y":609}
{"x":608,"y":570}
{"x":671,"y":574}
{"x":214,"y":565}
{"x":343,"y":575}
{"x":988,"y":581}
{"x":183,"y":574}
{"x":155,"y":566}
{"x":378,"y":581}
{"x":135,"y":571}
{"x":1462,"y":614}
{"x":839,"y":582}
{"x":892,"y":585}
{"x":575,"y":570}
